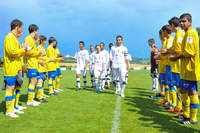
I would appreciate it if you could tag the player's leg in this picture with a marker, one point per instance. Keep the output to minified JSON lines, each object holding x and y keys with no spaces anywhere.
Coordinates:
{"x":173,"y":92}
{"x":51,"y":76}
{"x":108,"y":78}
{"x":32,"y":75}
{"x":123,"y":81}
{"x":58,"y":79}
{"x":84,"y":72}
{"x":40,"y":89}
{"x":96,"y":77}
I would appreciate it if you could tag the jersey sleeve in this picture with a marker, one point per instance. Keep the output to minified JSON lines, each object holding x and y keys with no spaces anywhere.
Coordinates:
{"x":126,"y":53}
{"x":189,"y":49}
{"x":87,"y":56}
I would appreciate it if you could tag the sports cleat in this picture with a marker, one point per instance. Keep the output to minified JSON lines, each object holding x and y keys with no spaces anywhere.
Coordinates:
{"x":77,"y":89}
{"x":45,"y":96}
{"x":178,"y":115}
{"x":32,"y":104}
{"x":97,"y":90}
{"x":21,"y":107}
{"x":43,"y":101}
{"x":101,"y":90}
{"x":193,"y":122}
{"x":12,"y":115}
{"x":36,"y":102}
{"x":18,"y":111}
{"x":122,"y":95}
{"x":56,"y":90}
{"x":162,"y":101}
{"x":177,"y":110}
{"x":185,"y":121}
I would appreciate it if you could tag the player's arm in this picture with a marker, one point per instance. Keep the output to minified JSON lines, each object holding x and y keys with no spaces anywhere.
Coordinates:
{"x":87,"y":60}
{"x":126,"y":59}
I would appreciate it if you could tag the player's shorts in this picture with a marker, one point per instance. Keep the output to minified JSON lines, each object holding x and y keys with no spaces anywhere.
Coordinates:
{"x":99,"y":74}
{"x":168,"y":76}
{"x":41,"y":75}
{"x":58,"y":71}
{"x":119,"y":73}
{"x":161,"y":78}
{"x":91,"y":72}
{"x":32,"y":73}
{"x":82,"y":72}
{"x":189,"y":85}
{"x":154,"y":71}
{"x":176,"y":79}
{"x":10,"y":80}
{"x":52,"y":74}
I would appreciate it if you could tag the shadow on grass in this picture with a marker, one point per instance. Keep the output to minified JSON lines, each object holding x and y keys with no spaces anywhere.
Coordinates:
{"x":3,"y":107}
{"x":23,"y":98}
{"x":154,"y":113}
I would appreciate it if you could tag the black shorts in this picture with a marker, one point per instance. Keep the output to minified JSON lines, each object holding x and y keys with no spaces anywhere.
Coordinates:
{"x":154,"y":71}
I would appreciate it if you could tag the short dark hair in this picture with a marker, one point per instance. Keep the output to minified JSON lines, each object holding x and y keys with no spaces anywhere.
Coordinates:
{"x":151,"y":40}
{"x":42,"y":38}
{"x":36,"y":37}
{"x":110,"y":44}
{"x":32,"y":28}
{"x":187,"y":16}
{"x":102,"y":43}
{"x":82,"y":42}
{"x":15,"y":23}
{"x":160,"y":32}
{"x":119,"y":36}
{"x":175,"y":21}
{"x":167,"y":28}
{"x":97,"y":45}
{"x":51,"y":40}
{"x":91,"y":46}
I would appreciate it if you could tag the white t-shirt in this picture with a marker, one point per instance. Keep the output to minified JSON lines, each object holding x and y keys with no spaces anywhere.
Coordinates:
{"x":98,"y":61}
{"x":82,"y":57}
{"x":106,"y":56}
{"x":118,"y":55}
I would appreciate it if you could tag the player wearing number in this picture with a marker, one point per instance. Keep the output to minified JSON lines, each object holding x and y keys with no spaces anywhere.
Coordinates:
{"x":190,"y":72}
{"x":99,"y":67}
{"x":120,"y":63}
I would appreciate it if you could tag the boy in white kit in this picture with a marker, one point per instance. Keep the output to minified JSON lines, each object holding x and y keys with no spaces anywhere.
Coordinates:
{"x":120,"y":63}
{"x":106,"y":56}
{"x":90,"y":66}
{"x":99,"y":67}
{"x":82,"y":58}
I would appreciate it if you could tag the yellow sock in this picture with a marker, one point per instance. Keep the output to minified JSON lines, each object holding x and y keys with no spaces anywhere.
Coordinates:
{"x":50,"y":86}
{"x":17,"y":96}
{"x":39,"y":91}
{"x":173,"y":96}
{"x":179,"y":99}
{"x":167,"y":96}
{"x":54,"y":83}
{"x":31,"y":92}
{"x":9,"y":104}
{"x":186,"y":106}
{"x":194,"y":106}
{"x":58,"y":82}
{"x":13,"y":100}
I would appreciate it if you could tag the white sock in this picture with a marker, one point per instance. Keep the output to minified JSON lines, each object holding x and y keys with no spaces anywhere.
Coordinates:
{"x":156,"y":83}
{"x":103,"y":83}
{"x":96,"y":82}
{"x":78,"y":82}
{"x":123,"y":85}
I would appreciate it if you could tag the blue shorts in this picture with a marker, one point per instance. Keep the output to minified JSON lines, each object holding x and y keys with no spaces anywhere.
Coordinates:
{"x":52,"y":74}
{"x":168,"y":76}
{"x":40,"y":75}
{"x":32,"y":73}
{"x":176,"y":79}
{"x":162,"y":78}
{"x":189,"y":85}
{"x":58,"y":71}
{"x":11,"y":80}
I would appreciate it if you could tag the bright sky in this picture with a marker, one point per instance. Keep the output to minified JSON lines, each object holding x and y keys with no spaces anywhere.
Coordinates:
{"x":95,"y":21}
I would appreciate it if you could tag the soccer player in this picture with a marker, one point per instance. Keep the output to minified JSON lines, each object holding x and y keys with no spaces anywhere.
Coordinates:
{"x":82,"y":58}
{"x":31,"y":59}
{"x":168,"y":75}
{"x":58,"y":69}
{"x":42,"y":69}
{"x":120,"y":63}
{"x":99,"y":67}
{"x":51,"y":66}
{"x":154,"y":65}
{"x":106,"y":56}
{"x":190,"y":72}
{"x":13,"y":53}
{"x":90,"y":65}
{"x":175,"y":66}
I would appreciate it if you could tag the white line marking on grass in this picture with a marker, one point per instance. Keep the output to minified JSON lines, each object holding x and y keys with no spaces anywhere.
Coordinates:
{"x":116,"y":119}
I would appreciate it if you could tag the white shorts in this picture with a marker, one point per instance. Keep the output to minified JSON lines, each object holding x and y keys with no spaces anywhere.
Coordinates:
{"x":99,"y":74}
{"x":82,"y":72}
{"x":119,"y":73}
{"x":91,"y":72}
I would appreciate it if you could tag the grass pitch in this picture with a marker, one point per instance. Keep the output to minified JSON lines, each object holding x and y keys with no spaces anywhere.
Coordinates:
{"x":88,"y":112}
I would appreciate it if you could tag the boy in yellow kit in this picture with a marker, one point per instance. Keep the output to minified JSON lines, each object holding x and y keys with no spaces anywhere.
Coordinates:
{"x":42,"y":69}
{"x":32,"y":64}
{"x":51,"y":66}
{"x":58,"y":69}
{"x":168,"y":75}
{"x":12,"y":63}
{"x":175,"y":66}
{"x":190,"y":70}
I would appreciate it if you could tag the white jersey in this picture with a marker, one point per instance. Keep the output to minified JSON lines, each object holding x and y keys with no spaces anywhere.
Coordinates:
{"x":118,"y":55}
{"x":106,"y":56}
{"x":98,"y":61}
{"x":91,"y":57}
{"x":82,"y":57}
